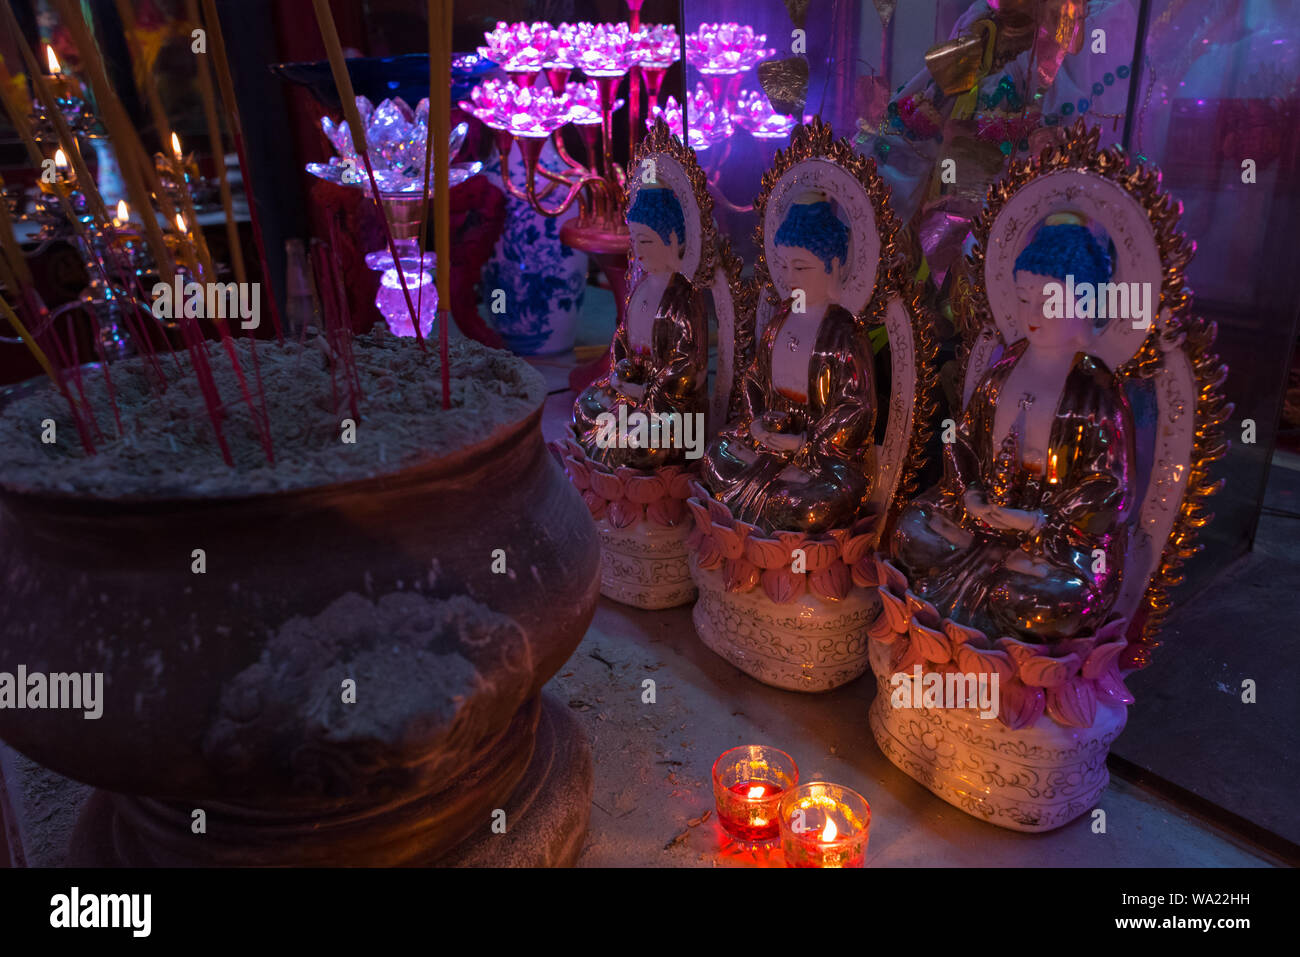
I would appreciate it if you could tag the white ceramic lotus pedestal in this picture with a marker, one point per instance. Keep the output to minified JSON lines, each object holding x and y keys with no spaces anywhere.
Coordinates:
{"x":809,"y":644}
{"x":1037,"y":778}
{"x":645,"y":565}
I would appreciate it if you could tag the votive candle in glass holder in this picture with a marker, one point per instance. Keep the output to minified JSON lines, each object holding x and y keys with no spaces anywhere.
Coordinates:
{"x":824,"y":825}
{"x":748,"y":783}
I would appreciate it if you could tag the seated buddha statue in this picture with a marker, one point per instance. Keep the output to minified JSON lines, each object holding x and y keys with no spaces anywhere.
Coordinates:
{"x":1027,"y":531}
{"x":801,"y":454}
{"x":660,"y":352}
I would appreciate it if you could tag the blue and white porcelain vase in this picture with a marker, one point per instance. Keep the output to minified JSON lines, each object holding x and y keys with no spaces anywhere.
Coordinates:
{"x":542,"y":278}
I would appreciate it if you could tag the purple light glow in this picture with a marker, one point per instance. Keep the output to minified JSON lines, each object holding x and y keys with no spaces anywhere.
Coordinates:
{"x":754,"y":113}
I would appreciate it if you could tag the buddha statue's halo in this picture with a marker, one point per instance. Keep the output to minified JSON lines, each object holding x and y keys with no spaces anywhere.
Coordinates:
{"x":818,"y":180}
{"x":1063,"y":198}
{"x":667,"y":174}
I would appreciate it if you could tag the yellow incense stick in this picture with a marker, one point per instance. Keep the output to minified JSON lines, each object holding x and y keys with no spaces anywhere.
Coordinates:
{"x":29,"y":342}
{"x":357,"y":129}
{"x":218,"y":153}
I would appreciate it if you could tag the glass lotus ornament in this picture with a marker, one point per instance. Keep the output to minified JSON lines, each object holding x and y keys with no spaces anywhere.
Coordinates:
{"x":725,"y":49}
{"x":518,"y":47}
{"x":753,"y":112}
{"x":605,"y":49}
{"x":582,"y":103}
{"x":657,"y":46}
{"x":396,"y":137}
{"x":708,"y":124}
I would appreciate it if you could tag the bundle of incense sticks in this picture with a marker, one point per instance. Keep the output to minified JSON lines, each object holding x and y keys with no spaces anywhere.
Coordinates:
{"x":139,"y":175}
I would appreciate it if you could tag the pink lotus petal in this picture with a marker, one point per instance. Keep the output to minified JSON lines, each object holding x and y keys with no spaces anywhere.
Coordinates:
{"x":890,"y":576}
{"x":866,"y":573}
{"x":679,"y":485}
{"x":964,"y":634}
{"x":1073,"y":703}
{"x":783,"y":586}
{"x":855,"y":547}
{"x":1074,"y":646}
{"x":1113,"y":630}
{"x":908,"y":657}
{"x":791,"y":540}
{"x":739,"y":576}
{"x":579,"y":473}
{"x":625,"y":514}
{"x":1043,"y":672}
{"x":730,"y":541}
{"x":701,"y":515}
{"x":895,"y":611}
{"x":980,"y":661}
{"x":882,"y":631}
{"x":595,"y":504}
{"x":1111,"y":685}
{"x":1103,"y":658}
{"x":1020,"y":706}
{"x":606,"y":485}
{"x":766,"y":552}
{"x":920,"y":609}
{"x":668,"y":512}
{"x":832,"y":583}
{"x":820,"y":555}
{"x":720,"y":514}
{"x":709,"y":555}
{"x":644,"y":489}
{"x":1020,"y":651}
{"x":929,"y":642}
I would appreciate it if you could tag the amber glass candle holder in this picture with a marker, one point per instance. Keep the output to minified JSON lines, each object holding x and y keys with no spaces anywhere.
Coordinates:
{"x":748,"y":783}
{"x":824,"y":825}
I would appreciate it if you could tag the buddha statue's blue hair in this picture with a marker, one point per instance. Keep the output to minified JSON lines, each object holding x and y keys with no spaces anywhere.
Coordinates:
{"x":1066,"y":249}
{"x":816,"y":228}
{"x":659,"y":209}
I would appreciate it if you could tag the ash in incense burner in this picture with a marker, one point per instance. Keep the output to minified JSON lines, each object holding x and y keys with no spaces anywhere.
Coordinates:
{"x":342,"y":678}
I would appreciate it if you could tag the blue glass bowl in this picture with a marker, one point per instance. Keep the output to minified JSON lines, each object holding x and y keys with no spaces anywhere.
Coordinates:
{"x":382,"y":78}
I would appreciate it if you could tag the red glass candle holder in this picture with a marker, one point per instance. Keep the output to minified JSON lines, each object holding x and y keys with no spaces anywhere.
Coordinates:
{"x":824,"y":825}
{"x":748,"y":783}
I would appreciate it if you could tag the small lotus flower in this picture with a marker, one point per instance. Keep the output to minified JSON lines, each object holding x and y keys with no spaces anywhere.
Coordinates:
{"x":724,"y":49}
{"x":754,"y":112}
{"x":657,"y":46}
{"x":396,"y":137}
{"x":582,"y":102}
{"x":518,"y":47}
{"x":608,"y":49}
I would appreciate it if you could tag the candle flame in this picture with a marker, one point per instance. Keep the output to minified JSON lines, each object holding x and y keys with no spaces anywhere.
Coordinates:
{"x":123,"y":210}
{"x":757,"y":792}
{"x":60,"y":159}
{"x":180,"y":223}
{"x":176,"y":146}
{"x":1052,"y":476}
{"x":52,"y":61}
{"x":830,"y":831}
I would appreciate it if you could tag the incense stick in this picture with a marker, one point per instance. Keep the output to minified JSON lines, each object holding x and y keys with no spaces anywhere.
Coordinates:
{"x":357,"y":130}
{"x":217,"y":145}
{"x":227,"y":87}
{"x":440,"y":120}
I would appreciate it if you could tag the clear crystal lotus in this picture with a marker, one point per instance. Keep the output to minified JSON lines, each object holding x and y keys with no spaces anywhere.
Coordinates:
{"x":395,"y":139}
{"x":754,"y":112}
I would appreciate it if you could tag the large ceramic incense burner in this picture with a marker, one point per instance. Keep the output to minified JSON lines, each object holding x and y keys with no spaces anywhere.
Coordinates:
{"x":1073,"y":486}
{"x":353,"y":673}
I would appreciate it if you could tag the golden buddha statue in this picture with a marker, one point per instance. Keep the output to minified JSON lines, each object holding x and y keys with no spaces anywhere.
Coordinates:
{"x":801,"y":455}
{"x":659,"y":354}
{"x":1027,"y":532}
